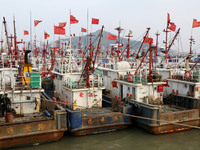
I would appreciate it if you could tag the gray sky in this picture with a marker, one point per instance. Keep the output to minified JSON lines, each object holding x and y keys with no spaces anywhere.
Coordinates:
{"x":135,"y":15}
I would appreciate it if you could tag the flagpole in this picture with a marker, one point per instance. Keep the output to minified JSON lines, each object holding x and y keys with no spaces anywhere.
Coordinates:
{"x":70,"y":22}
{"x":30,"y":31}
{"x":192,"y":28}
{"x":87,"y":26}
{"x":191,"y":40}
{"x":82,"y":38}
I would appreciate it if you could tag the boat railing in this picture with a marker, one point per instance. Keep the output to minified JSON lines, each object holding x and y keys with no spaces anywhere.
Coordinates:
{"x":95,"y":82}
{"x":141,"y":77}
{"x":32,"y":81}
{"x":191,"y":76}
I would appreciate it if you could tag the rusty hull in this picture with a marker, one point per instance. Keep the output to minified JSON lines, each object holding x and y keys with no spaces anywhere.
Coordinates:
{"x":169,"y":128}
{"x":22,"y":134}
{"x":90,"y":123}
{"x":99,"y":129}
{"x":186,"y":117}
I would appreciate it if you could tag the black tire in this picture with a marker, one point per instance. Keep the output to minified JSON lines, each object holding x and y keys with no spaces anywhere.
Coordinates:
{"x":137,"y":109}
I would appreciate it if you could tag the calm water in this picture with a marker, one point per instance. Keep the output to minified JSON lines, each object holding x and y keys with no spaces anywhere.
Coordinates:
{"x":128,"y":139}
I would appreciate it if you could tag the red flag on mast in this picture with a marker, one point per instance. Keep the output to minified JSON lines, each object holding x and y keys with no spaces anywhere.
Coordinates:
{"x":95,"y":21}
{"x":25,"y":32}
{"x":112,"y":37}
{"x":148,"y":40}
{"x":46,"y":35}
{"x":73,"y":20}
{"x":59,"y":30}
{"x":62,"y":24}
{"x":36,"y":22}
{"x":172,"y":26}
{"x":195,"y":23}
{"x":83,"y":30}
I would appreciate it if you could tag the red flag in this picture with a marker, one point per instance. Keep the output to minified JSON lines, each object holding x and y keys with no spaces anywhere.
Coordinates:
{"x":62,"y":24}
{"x":95,"y":21}
{"x":79,"y":38}
{"x":112,"y":37}
{"x":172,"y":26}
{"x":83,"y":30}
{"x":195,"y":23}
{"x":46,"y":35}
{"x":114,"y":84}
{"x":36,"y":22}
{"x":81,"y":94}
{"x":59,"y":30}
{"x":148,"y":40}
{"x":73,"y":20}
{"x":25,"y":32}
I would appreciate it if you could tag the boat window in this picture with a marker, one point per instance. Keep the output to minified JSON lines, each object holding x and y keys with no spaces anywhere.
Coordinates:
{"x":105,"y":73}
{"x":60,"y":77}
{"x":191,"y":88}
{"x":133,"y":92}
{"x":28,"y":98}
{"x":121,"y":90}
{"x":111,"y":66}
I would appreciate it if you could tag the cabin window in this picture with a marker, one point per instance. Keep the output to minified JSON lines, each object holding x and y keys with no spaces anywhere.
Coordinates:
{"x":191,"y":88}
{"x":121,"y":90}
{"x":28,"y":98}
{"x":133,"y":93}
{"x":60,"y":77}
{"x":111,"y":66}
{"x":105,"y":73}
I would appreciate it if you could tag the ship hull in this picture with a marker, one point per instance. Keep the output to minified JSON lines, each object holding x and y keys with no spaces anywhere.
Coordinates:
{"x":157,"y":122}
{"x":95,"y":121}
{"x":31,"y":139}
{"x":169,"y":128}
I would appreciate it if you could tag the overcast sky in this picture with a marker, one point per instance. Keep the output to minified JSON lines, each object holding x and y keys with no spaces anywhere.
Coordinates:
{"x":135,"y":15}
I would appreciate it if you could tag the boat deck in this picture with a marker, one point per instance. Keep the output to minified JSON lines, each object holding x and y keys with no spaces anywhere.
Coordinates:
{"x":95,"y":111}
{"x":166,"y":109}
{"x":26,"y":118}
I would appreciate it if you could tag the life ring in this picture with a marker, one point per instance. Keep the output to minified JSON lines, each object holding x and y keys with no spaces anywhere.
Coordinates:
{"x":187,"y":74}
{"x":129,"y":77}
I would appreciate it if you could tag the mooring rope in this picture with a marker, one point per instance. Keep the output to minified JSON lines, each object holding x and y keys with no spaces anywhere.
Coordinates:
{"x":134,"y":116}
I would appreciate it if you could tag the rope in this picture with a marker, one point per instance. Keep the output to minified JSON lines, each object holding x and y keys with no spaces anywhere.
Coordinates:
{"x":134,"y":116}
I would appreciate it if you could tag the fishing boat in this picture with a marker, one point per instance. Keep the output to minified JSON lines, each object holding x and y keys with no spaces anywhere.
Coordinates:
{"x":142,"y":88}
{"x":29,"y":119}
{"x":81,"y":91}
{"x":26,"y":118}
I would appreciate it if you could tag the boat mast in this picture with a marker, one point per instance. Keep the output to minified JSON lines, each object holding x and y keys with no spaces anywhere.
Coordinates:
{"x":6,"y":33}
{"x":15,"y":40}
{"x":119,"y":29}
{"x":191,"y":42}
{"x":156,"y":54}
{"x":142,"y":42}
{"x":128,"y":45}
{"x":97,"y":51}
{"x":166,"y":38}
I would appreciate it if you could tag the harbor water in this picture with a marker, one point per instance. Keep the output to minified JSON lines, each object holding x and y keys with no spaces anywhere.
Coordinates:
{"x":132,"y":138}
